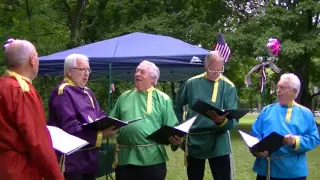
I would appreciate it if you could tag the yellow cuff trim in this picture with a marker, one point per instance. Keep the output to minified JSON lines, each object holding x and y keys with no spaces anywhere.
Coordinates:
{"x":223,"y":123}
{"x":297,"y":143}
{"x":99,"y":139}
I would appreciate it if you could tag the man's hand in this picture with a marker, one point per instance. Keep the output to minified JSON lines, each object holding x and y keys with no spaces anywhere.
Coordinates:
{"x":289,"y":139}
{"x":216,"y":118}
{"x":261,"y":154}
{"x":110,"y":131}
{"x":175,"y":140}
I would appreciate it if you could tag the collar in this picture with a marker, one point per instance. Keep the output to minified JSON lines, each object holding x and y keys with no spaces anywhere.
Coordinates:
{"x":69,"y":81}
{"x":16,"y":75}
{"x":147,"y":91}
{"x":206,"y":76}
{"x":289,"y":104}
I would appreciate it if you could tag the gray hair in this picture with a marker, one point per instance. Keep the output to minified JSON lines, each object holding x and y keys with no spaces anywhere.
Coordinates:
{"x":71,"y":61}
{"x":154,"y":70}
{"x":18,"y":53}
{"x":216,"y":55}
{"x":293,"y":82}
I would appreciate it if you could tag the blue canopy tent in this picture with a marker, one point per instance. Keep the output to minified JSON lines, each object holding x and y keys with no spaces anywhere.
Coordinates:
{"x":118,"y":57}
{"x":123,"y":54}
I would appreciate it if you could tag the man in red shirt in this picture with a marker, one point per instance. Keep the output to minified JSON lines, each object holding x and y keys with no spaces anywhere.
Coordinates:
{"x":26,"y":150}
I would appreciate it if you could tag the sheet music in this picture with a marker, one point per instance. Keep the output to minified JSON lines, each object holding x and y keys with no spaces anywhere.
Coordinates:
{"x":90,"y":119}
{"x":185,"y":127}
{"x":64,"y":142}
{"x":250,"y":140}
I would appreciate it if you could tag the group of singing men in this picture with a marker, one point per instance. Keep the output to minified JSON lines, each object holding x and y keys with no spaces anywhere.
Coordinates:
{"x":26,"y":151}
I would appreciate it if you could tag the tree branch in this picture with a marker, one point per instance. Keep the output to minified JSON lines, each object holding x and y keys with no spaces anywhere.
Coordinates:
{"x":101,"y":8}
{"x":28,"y":9}
{"x":314,"y":95}
{"x":316,"y":21}
{"x":67,"y":5}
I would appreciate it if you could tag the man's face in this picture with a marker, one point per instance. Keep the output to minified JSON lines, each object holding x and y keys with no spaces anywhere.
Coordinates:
{"x":80,"y":74}
{"x":285,"y":93}
{"x":143,"y":79}
{"x":214,"y":68}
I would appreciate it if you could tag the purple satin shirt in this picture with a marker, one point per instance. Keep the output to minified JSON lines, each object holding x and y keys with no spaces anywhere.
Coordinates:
{"x":69,"y":108}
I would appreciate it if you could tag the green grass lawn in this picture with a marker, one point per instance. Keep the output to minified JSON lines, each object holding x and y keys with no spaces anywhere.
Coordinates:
{"x":243,"y":158}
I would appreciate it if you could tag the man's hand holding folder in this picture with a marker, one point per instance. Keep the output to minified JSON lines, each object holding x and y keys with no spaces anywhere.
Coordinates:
{"x":110,"y":131}
{"x":175,"y":140}
{"x":216,"y":114}
{"x":216,"y":118}
{"x":288,"y":139}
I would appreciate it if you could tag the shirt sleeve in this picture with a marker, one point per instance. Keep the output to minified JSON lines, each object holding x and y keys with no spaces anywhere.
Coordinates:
{"x":64,"y":111}
{"x":256,"y":129}
{"x":169,"y":118}
{"x":179,"y":101}
{"x":115,"y":113}
{"x":31,"y":125}
{"x":230,"y":102}
{"x":308,"y":140}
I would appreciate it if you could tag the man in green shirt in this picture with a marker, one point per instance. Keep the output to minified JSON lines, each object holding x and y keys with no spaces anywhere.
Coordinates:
{"x":208,"y":138}
{"x":137,"y":157}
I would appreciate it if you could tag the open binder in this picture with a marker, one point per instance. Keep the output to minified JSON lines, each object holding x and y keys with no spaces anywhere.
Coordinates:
{"x":65,"y":142}
{"x":270,"y":143}
{"x":202,"y":108}
{"x":106,"y":122}
{"x":162,"y":135}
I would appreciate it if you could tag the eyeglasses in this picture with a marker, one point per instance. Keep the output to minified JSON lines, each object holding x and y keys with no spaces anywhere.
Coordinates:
{"x":83,"y":69}
{"x":283,"y":88}
{"x":213,"y":71}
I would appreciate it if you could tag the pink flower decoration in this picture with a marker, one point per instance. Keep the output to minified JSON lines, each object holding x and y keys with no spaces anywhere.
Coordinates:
{"x":8,"y":42}
{"x":273,"y":47}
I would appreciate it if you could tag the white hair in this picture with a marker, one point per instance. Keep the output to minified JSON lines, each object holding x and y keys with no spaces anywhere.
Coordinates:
{"x":154,"y":70}
{"x":71,"y":61}
{"x":293,"y":82}
{"x":215,"y":54}
{"x":18,"y":53}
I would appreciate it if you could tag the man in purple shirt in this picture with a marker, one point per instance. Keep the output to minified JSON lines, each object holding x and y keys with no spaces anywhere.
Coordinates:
{"x":71,"y":104}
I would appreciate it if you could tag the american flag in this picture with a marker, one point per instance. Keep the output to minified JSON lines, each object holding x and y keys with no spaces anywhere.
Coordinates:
{"x":222,"y":46}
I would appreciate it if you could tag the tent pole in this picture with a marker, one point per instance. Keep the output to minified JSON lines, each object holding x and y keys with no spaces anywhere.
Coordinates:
{"x":109,"y":94}
{"x":109,"y":107}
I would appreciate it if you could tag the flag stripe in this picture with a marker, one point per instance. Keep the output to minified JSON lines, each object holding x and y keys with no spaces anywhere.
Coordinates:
{"x":223,"y":48}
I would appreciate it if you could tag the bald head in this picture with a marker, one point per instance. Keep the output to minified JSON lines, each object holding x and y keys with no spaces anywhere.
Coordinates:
{"x":214,"y":65}
{"x":214,"y":56}
{"x":18,"y":52}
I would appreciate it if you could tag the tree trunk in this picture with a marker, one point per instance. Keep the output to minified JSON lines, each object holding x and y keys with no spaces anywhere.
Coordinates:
{"x":302,"y":70}
{"x":304,"y":97}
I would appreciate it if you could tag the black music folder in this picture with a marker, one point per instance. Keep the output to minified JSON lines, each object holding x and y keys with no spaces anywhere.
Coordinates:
{"x":161,"y":136}
{"x":106,"y":122}
{"x":202,"y":108}
{"x":270,"y":143}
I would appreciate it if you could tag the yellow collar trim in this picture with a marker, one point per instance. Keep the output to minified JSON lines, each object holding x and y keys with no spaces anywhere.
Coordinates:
{"x":16,"y":75}
{"x":149,"y":100}
{"x":69,"y":81}
{"x":21,"y":80}
{"x":206,"y":76}
{"x":215,"y":89}
{"x":289,"y":111}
